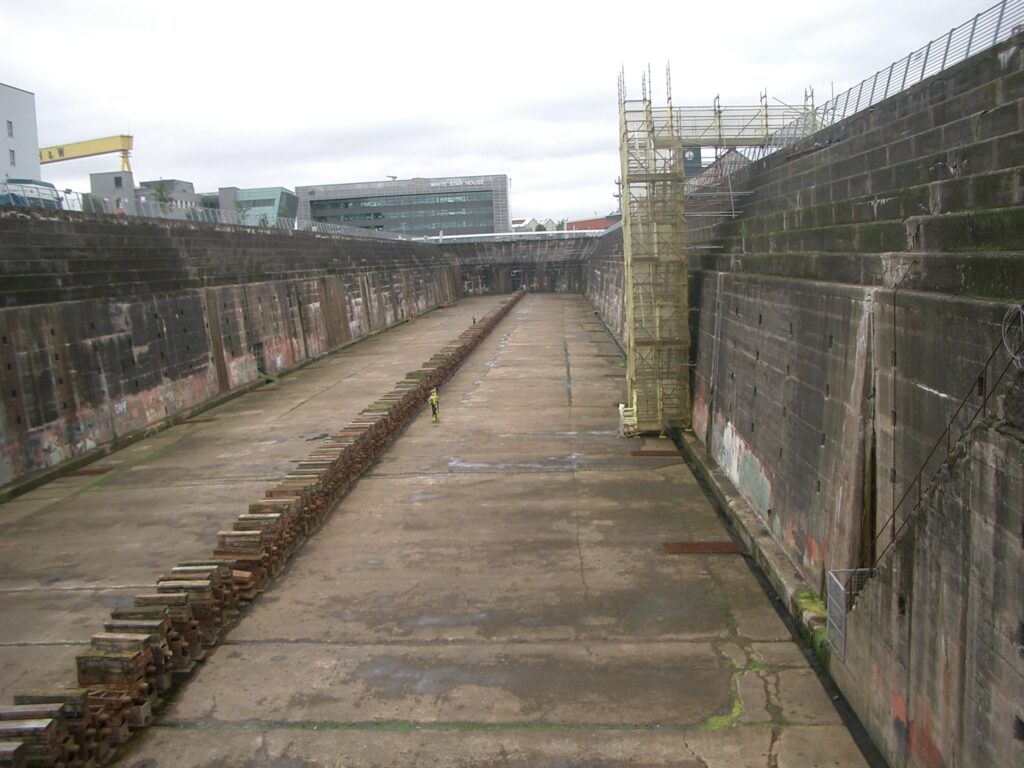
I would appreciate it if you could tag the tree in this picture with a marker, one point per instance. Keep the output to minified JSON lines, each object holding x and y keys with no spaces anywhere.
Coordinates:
{"x":540,"y":228}
{"x":160,"y":192}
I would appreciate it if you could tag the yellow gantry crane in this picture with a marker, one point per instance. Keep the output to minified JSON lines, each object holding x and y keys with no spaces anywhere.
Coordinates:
{"x":89,"y":148}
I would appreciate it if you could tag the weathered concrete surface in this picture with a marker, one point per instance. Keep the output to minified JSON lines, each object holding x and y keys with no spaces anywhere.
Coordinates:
{"x":958,"y":568}
{"x":72,"y":550}
{"x":112,"y":326}
{"x":542,"y":262}
{"x":494,"y":592}
{"x":838,"y":323}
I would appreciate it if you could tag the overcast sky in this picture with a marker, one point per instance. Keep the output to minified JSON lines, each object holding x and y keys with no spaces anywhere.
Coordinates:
{"x":286,"y":94}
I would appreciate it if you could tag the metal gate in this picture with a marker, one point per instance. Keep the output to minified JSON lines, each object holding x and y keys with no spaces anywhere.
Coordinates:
{"x":843,"y":586}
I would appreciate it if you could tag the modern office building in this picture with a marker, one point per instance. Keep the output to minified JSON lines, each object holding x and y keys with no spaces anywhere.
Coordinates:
{"x":457,"y":205}
{"x":117,"y":188}
{"x":19,"y":137}
{"x":256,"y":206}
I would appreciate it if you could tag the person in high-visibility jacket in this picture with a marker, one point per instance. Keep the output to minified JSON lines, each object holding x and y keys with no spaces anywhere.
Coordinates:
{"x":435,"y":405}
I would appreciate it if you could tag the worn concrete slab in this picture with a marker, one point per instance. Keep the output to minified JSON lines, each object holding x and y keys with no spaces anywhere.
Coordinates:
{"x":75,"y":548}
{"x":37,"y":666}
{"x":488,"y":683}
{"x":495,"y":592}
{"x":392,"y":746}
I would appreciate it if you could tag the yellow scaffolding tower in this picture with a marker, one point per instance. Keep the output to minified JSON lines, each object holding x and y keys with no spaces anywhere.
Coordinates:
{"x":654,"y":235}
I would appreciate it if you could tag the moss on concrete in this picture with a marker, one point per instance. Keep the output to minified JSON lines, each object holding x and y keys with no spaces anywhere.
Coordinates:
{"x":808,"y":600}
{"x":729,"y":720}
{"x":814,"y":633}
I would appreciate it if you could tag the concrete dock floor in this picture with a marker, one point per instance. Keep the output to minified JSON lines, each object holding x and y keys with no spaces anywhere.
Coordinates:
{"x":493,"y":592}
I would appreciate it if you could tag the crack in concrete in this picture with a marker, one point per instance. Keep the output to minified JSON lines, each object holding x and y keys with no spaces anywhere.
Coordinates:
{"x":568,"y":373}
{"x":316,"y":394}
{"x":433,"y":725}
{"x":697,"y":758}
{"x":579,"y":552}
{"x":615,"y":640}
{"x":604,"y":469}
{"x":773,"y":757}
{"x":774,"y":697}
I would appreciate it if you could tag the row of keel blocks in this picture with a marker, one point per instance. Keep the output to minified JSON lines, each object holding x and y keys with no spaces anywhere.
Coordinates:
{"x":135,"y":664}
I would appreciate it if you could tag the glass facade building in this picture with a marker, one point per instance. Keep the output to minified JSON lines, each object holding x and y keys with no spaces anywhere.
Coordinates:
{"x":465,"y":205}
{"x":265,"y":205}
{"x":256,"y":206}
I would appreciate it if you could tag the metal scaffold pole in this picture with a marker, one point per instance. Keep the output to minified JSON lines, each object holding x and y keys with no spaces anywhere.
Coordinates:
{"x":654,"y":235}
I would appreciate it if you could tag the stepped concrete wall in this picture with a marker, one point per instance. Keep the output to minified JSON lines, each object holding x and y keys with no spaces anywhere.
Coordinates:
{"x":837,"y":324}
{"x":112,"y":326}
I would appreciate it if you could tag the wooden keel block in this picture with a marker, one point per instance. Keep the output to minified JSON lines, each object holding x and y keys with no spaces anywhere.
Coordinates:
{"x":286,"y":507}
{"x":178,"y":607}
{"x":112,"y":709}
{"x":40,"y":739}
{"x":117,"y":641}
{"x":123,"y":671}
{"x":83,"y":724}
{"x":219,"y":575}
{"x":12,"y":754}
{"x":246,"y":541}
{"x":67,"y":746}
{"x":159,"y":627}
{"x":205,"y":607}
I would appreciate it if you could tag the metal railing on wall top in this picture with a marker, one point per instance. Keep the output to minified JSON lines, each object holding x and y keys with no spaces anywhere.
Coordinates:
{"x":977,"y":34}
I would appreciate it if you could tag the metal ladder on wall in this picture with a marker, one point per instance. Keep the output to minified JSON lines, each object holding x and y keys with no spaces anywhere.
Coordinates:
{"x":844,"y":584}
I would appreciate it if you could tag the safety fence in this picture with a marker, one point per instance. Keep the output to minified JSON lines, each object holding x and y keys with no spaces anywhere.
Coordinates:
{"x":43,"y":195}
{"x":573,"y":234}
{"x":842,"y":588}
{"x":985,"y":30}
{"x":152,"y":209}
{"x":28,"y":195}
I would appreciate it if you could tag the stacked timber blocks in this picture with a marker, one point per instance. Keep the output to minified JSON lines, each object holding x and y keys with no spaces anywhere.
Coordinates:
{"x":132,"y":667}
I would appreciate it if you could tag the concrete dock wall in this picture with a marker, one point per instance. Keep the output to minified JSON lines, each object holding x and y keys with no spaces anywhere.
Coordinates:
{"x":111,"y":326}
{"x":933,"y":646}
{"x":545,"y":263}
{"x":603,"y":275}
{"x":838,"y":323}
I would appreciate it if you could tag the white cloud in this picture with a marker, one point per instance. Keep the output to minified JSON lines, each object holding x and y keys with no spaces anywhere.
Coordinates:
{"x":260,"y":93}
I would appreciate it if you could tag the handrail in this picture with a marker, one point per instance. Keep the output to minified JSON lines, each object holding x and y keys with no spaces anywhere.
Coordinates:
{"x":981,"y":382}
{"x":175,"y":211}
{"x":983,"y":31}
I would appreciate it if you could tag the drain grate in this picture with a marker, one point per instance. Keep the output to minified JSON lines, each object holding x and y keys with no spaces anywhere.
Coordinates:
{"x":702,"y":548}
{"x":89,"y":471}
{"x":651,"y":454}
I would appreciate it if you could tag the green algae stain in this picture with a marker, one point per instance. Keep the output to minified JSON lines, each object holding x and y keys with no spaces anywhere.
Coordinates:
{"x":718,"y":722}
{"x":808,"y":600}
{"x":816,"y":637}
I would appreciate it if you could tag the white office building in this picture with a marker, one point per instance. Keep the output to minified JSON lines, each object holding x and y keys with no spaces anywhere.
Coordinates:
{"x":19,"y":139}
